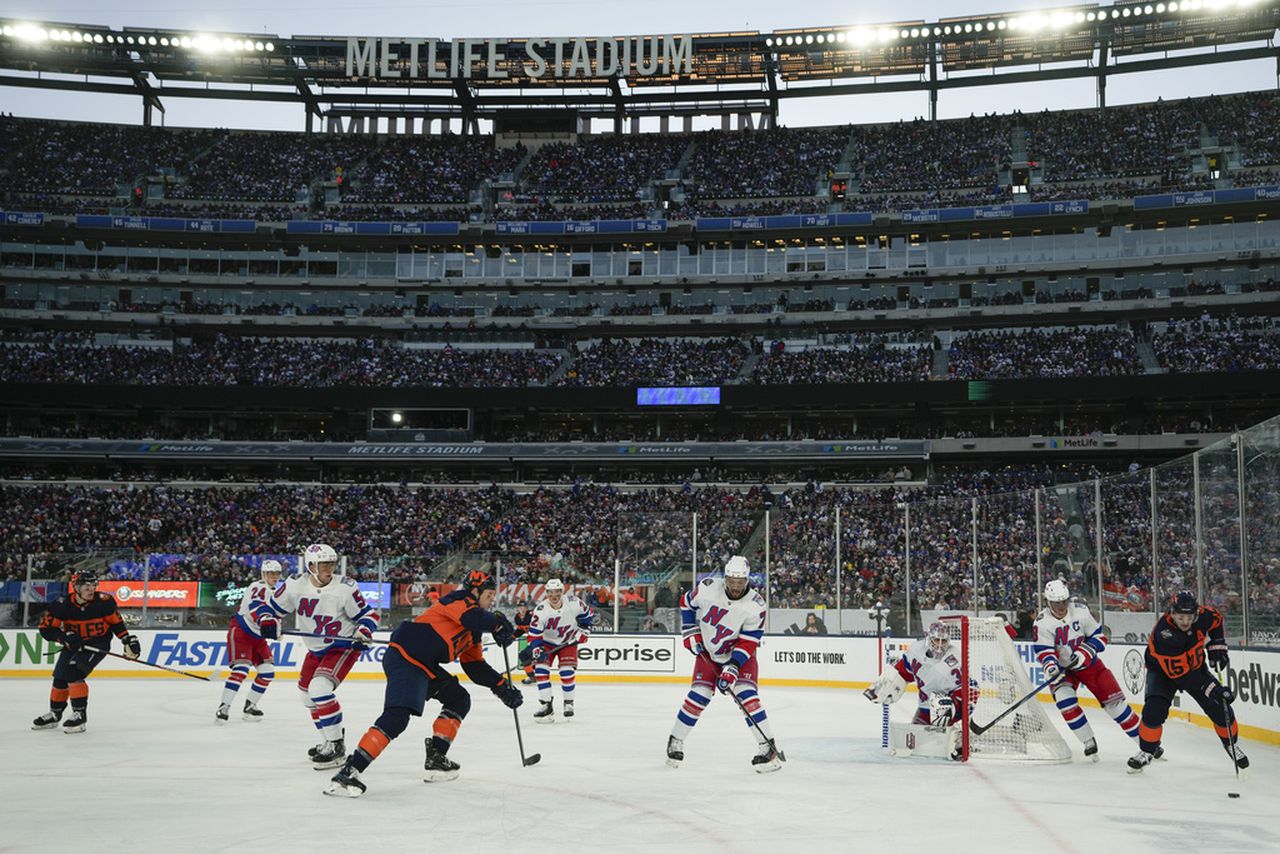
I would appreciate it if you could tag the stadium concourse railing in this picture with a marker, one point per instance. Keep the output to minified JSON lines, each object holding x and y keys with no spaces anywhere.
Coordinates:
{"x":824,"y":559}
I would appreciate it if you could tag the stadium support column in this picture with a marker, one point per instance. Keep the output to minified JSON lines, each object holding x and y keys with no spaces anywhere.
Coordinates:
{"x":974,"y":534}
{"x":619,"y":105}
{"x":1237,"y":440}
{"x":1104,"y":49}
{"x":933,"y":80}
{"x":1099,"y":546}
{"x":1199,"y":521}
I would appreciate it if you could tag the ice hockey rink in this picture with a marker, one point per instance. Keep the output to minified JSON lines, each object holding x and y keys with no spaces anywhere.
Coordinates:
{"x":153,"y":773}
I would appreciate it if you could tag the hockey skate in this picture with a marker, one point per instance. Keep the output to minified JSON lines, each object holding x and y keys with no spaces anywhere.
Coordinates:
{"x":76,"y":722}
{"x":1242,"y":761}
{"x":1091,"y":750}
{"x":346,"y":783}
{"x":312,"y":751}
{"x":1140,"y":760}
{"x":252,"y":712}
{"x":438,"y":768}
{"x":766,"y":760}
{"x":528,"y":680}
{"x":546,"y":713}
{"x":330,"y":755}
{"x":223,"y":714}
{"x":48,"y":720}
{"x":568,"y":708}
{"x":675,"y":751}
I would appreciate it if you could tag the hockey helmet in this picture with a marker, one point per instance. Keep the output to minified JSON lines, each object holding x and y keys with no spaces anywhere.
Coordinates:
{"x":737,"y":567}
{"x":271,"y":567}
{"x":1056,"y":591}
{"x":555,"y":585}
{"x":83,"y":576}
{"x":1184,"y":602}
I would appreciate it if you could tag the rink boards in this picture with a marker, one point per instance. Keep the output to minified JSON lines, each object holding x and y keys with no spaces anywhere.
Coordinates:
{"x":785,"y":660}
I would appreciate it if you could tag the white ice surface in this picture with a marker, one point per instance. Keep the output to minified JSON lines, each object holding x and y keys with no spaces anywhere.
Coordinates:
{"x":153,"y":773}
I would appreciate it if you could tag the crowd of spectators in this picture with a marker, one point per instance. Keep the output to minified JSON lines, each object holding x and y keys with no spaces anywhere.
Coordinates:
{"x":764,"y":163}
{"x":275,"y":167}
{"x":656,"y":362}
{"x":601,"y":169}
{"x":870,"y":363}
{"x":229,"y":361}
{"x":1225,"y":345}
{"x":434,"y":170}
{"x":1079,"y":352}
{"x":925,"y":155}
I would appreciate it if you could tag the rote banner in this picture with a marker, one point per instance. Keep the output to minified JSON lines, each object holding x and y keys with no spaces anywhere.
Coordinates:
{"x":157,"y":594}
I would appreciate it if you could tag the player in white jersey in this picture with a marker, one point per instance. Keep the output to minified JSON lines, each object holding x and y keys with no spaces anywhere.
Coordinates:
{"x":722,"y":620}
{"x":559,"y":624}
{"x":1068,"y":642}
{"x":246,"y":648}
{"x":341,"y":626}
{"x":933,"y":663}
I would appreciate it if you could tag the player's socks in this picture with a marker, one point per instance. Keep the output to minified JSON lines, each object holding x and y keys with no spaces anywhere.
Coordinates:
{"x":48,"y":720}
{"x":221,"y":716}
{"x":438,"y":768}
{"x":76,"y":722}
{"x":675,"y":751}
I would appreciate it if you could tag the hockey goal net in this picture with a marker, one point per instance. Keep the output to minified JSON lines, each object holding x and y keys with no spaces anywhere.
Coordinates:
{"x":990,"y":661}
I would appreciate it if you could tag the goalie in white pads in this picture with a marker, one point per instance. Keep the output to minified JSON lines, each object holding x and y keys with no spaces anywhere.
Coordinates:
{"x":1067,"y":641}
{"x":932,"y":663}
{"x":559,"y":624}
{"x":722,"y":620}
{"x":342,"y":624}
{"x":247,"y":648}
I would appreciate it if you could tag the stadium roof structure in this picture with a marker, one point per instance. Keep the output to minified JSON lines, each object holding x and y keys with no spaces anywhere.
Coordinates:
{"x":626,"y":77}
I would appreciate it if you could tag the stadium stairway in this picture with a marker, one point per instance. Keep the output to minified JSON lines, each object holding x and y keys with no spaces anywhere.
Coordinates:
{"x":678,"y":172}
{"x":941,"y":362}
{"x":748,"y":366}
{"x":1150,"y":364}
{"x":560,"y":371}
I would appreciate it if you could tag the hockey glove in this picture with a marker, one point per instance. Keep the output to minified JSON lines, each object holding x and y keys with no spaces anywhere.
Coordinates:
{"x":1081,"y":658}
{"x":943,"y":711}
{"x":269,"y":627}
{"x":504,"y":634}
{"x":1052,"y":671}
{"x":363,"y":638}
{"x":693,"y":642}
{"x":1218,"y":658}
{"x":727,"y":678}
{"x":71,"y":639}
{"x":132,"y":648}
{"x":539,"y":653}
{"x":509,"y":694}
{"x":584,"y":621}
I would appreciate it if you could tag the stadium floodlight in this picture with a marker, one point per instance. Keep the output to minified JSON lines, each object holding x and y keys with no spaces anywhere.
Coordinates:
{"x":97,"y":38}
{"x":270,"y":46}
{"x":259,"y":46}
{"x":396,"y":418}
{"x":1148,"y":9}
{"x":808,"y":39}
{"x":842,"y":36}
{"x":1160,"y":8}
{"x":30,"y":33}
{"x":768,"y":42}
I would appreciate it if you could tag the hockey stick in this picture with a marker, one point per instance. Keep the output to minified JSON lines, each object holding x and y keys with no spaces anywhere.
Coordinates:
{"x":212,"y":677}
{"x":1226,"y":716}
{"x":330,"y":639}
{"x":979,"y":729}
{"x":524,"y":760}
{"x":769,"y":741}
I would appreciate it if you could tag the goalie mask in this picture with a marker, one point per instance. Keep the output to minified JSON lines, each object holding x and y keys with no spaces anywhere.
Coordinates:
{"x":939,"y":639}
{"x":737,"y":577}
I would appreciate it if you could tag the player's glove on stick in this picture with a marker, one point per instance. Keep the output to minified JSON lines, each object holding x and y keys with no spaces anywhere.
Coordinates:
{"x":1218,"y":658}
{"x":509,"y":694}
{"x":727,"y":678}
{"x":132,"y":648}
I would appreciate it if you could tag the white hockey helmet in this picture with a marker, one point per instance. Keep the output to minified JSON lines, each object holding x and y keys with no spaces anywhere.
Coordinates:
{"x":1056,"y":591}
{"x":554,"y":585}
{"x":318,"y":553}
{"x":270,"y":567}
{"x":939,"y":637}
{"x":737,"y":567}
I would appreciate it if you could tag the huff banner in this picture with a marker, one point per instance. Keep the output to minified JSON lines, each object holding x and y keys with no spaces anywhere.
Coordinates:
{"x":157,"y":594}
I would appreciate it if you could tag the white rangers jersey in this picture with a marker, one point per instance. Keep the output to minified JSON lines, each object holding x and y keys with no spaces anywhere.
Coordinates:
{"x":938,"y":676}
{"x":255,"y":595}
{"x":725,"y":625}
{"x":558,"y":626}
{"x":334,"y":611}
{"x":1054,"y":638}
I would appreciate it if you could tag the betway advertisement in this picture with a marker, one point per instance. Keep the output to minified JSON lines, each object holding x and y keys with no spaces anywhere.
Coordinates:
{"x":157,"y":594}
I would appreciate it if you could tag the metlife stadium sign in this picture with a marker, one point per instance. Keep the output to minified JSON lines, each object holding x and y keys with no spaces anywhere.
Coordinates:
{"x":535,"y":58}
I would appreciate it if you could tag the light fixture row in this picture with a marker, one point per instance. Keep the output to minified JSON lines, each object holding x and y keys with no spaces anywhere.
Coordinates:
{"x":202,"y":43}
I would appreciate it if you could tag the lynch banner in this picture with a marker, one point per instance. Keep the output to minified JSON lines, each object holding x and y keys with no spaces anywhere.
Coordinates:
{"x":498,"y":59}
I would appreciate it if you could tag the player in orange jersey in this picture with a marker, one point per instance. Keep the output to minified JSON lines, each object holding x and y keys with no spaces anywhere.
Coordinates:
{"x":420,"y":648}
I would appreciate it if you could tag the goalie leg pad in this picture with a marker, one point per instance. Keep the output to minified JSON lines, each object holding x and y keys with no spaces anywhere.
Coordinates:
{"x":919,"y":740}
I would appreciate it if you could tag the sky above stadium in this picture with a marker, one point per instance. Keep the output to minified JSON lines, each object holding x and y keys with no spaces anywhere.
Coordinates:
{"x":496,"y":18}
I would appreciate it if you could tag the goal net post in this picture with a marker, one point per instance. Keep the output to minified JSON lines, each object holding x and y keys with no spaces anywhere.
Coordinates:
{"x":990,"y":663}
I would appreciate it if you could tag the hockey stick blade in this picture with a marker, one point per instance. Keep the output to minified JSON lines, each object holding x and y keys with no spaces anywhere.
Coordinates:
{"x":979,"y":729}
{"x":533,"y":760}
